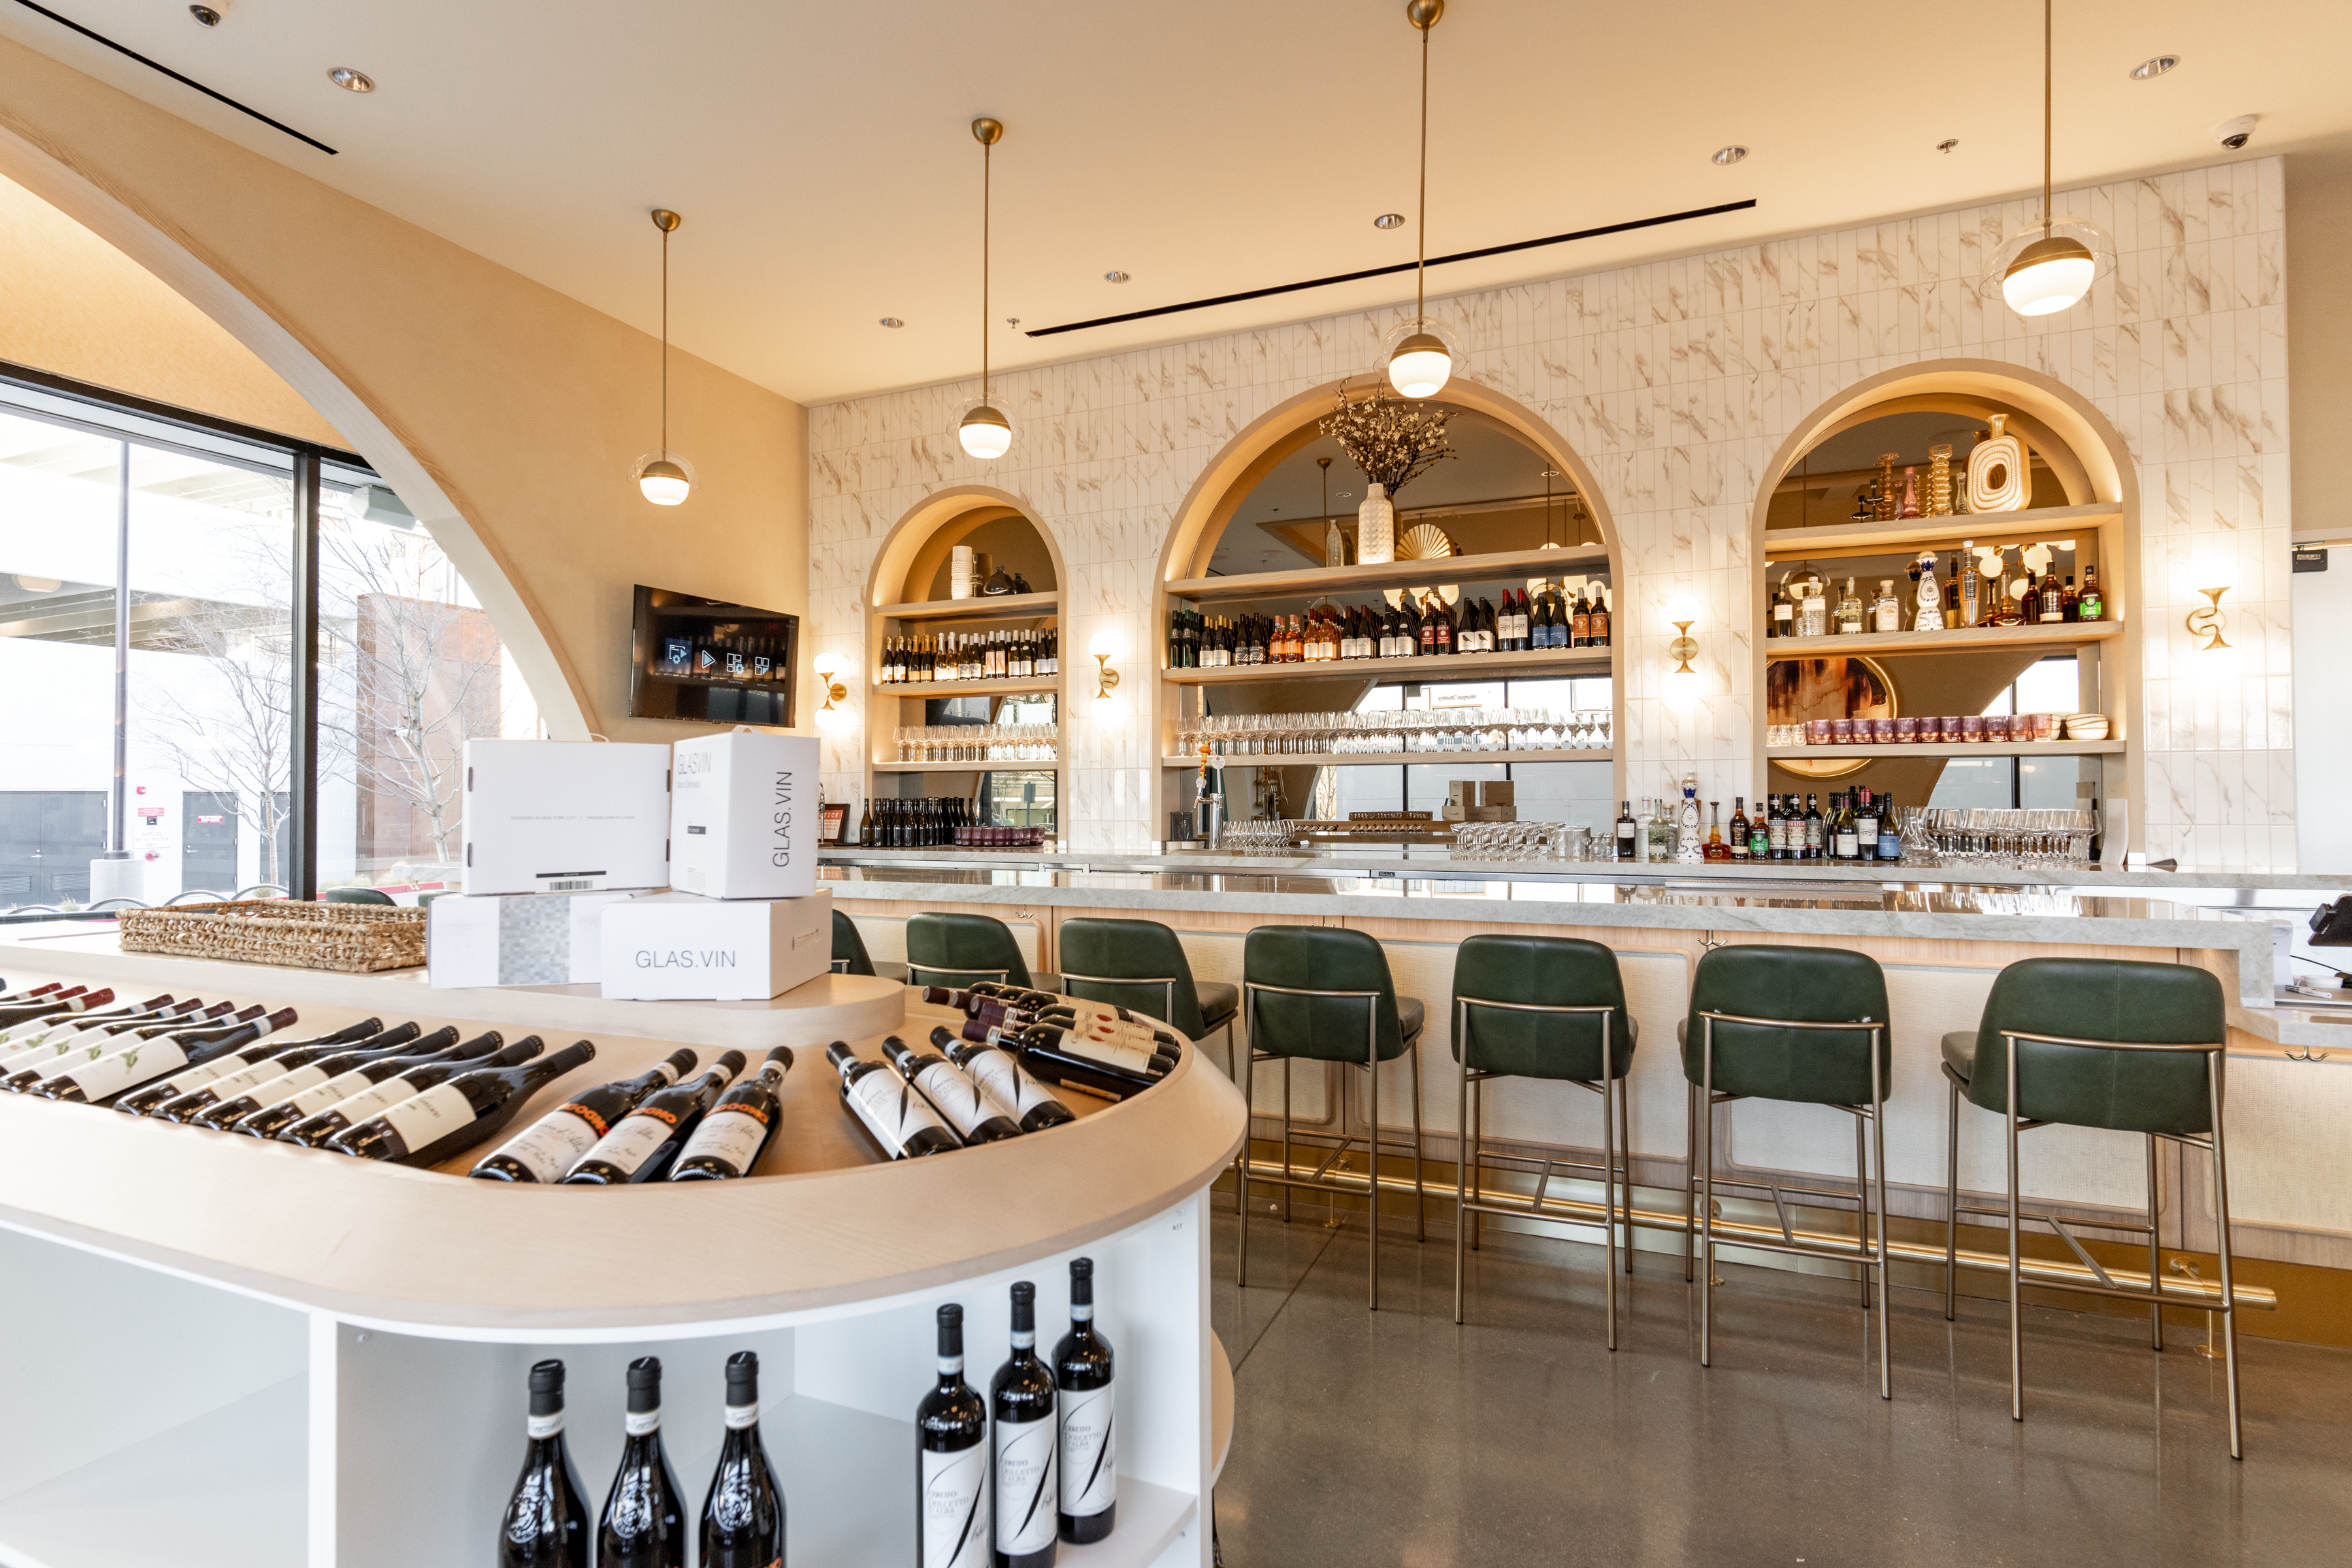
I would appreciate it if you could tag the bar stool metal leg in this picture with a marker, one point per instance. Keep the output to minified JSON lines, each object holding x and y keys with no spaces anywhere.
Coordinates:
{"x":2155,"y":1257}
{"x":1372,"y":1153}
{"x":1952,"y":1201}
{"x":1862,"y":1198}
{"x":1241,"y":1187}
{"x":2016,"y":1326}
{"x":1690,"y":1176}
{"x":1706,"y":1195}
{"x":2222,"y":1239}
{"x":1611,"y":1099}
{"x":1477,"y":1170}
{"x":1286,"y":1140}
{"x":1420,"y":1186}
{"x":1463,"y":1155}
{"x":1625,"y":1152}
{"x":1878,"y":1150}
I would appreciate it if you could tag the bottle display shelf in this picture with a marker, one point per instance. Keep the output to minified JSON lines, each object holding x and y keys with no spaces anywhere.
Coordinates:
{"x":967,"y":688}
{"x":1001,"y":765}
{"x":1511,"y":566}
{"x":979,"y":607}
{"x":1970,"y":640}
{"x":1442,"y":667}
{"x":1909,"y":533}
{"x":1948,"y":750}
{"x":1391,"y":759}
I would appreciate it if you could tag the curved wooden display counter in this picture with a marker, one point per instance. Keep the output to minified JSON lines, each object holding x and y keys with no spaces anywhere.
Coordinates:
{"x":358,"y":1331}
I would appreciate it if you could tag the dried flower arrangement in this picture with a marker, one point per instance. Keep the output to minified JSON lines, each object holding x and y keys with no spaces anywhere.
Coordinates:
{"x":1392,"y":442}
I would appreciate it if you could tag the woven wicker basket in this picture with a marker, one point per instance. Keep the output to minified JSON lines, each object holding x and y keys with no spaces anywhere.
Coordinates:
{"x":351,"y":939}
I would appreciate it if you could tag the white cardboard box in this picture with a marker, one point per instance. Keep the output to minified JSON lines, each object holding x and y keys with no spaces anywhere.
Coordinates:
{"x":565,"y":817}
{"x":743,"y":815}
{"x":680,"y":947}
{"x":516,"y":939}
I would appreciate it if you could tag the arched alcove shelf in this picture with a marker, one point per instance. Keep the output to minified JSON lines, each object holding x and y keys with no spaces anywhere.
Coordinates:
{"x":908,"y":596}
{"x":1187,"y":580}
{"x":2082,"y":500}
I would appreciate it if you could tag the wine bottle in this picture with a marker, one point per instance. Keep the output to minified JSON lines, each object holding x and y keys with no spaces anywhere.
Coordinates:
{"x":644,"y":1521}
{"x":70,"y":999}
{"x":28,"y":993}
{"x":545,"y":1525}
{"x":16,"y":1036}
{"x":279,"y":1104}
{"x":94,"y":1082}
{"x":1113,"y":1056}
{"x":45,"y":1039}
{"x":992,"y":1013}
{"x":902,"y":1126}
{"x":736,"y":1133}
{"x":454,"y":1116}
{"x":743,"y":1513}
{"x":550,"y":1146}
{"x":641,"y":1144}
{"x":952,"y":1514}
{"x":300,"y":1069}
{"x":1090,"y":1457}
{"x":999,"y":1074}
{"x":1021,"y":1398}
{"x":960,"y":1103}
{"x":180,"y":1097}
{"x":985,"y":995}
{"x":378,"y":1095}
{"x":60,"y":1053}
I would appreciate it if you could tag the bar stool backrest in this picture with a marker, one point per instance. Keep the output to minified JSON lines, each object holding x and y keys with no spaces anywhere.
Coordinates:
{"x":1318,"y":958}
{"x":1541,"y":972}
{"x":358,"y":896}
{"x":849,"y":955}
{"x":955,"y":949}
{"x":1801,"y":986}
{"x":1135,"y":964}
{"x":2102,"y":999}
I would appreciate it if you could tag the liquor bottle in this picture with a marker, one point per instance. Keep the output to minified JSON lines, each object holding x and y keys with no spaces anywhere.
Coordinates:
{"x":644,"y":1521}
{"x":1784,"y":623}
{"x":1848,"y":843}
{"x":550,"y":1146}
{"x":1886,"y":610}
{"x":184,"y":1096}
{"x":546,"y":1525}
{"x":642,"y":1145}
{"x":1021,"y":1400}
{"x":901,"y":1124}
{"x":1739,"y":835}
{"x":1865,"y":826}
{"x":1928,"y":614}
{"x":1000,"y":1075}
{"x":2091,"y":604}
{"x":1813,"y":828}
{"x":736,"y":1132}
{"x":1687,"y":845}
{"x":1716,"y":850}
{"x":1971,"y":586}
{"x":1849,"y":613}
{"x":2070,"y":607}
{"x":961,"y":1103}
{"x":452,"y":1117}
{"x":1629,"y":832}
{"x":1890,"y":833}
{"x":1082,"y":1380}
{"x":2051,"y":601}
{"x":952,"y":1514}
{"x":94,"y":1082}
{"x":743,"y":1512}
{"x":1759,"y":835}
{"x":280,"y":1103}
{"x":1776,"y":829}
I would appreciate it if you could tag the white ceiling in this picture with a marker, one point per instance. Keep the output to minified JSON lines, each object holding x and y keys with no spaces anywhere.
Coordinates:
{"x":822,"y":159}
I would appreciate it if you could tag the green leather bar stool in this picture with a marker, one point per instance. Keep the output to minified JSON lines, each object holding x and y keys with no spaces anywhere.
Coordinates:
{"x":1140,"y":966}
{"x":1323,"y":994}
{"x":1807,"y":1024}
{"x":357,"y":896}
{"x":2107,"y":1043}
{"x":849,"y":955}
{"x":1543,"y":1007}
{"x":956,"y":950}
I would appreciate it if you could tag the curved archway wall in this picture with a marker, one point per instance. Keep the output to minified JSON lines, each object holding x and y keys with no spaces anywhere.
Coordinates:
{"x":1677,"y":381}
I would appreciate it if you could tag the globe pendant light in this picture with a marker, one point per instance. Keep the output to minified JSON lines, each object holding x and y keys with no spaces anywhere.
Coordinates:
{"x":2051,"y":266}
{"x":660,"y":479}
{"x":985,"y":432}
{"x":1420,"y":360}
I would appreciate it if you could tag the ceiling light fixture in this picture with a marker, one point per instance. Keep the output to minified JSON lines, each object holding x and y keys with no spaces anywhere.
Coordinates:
{"x":1727,"y":156}
{"x":892,"y":322}
{"x":2042,"y":270}
{"x":2148,"y":70}
{"x":985,"y":431}
{"x":1389,"y":220}
{"x":205,"y":16}
{"x":344,"y":76}
{"x":1947,"y":143}
{"x":1113,"y":276}
{"x":662,"y":480}
{"x":1420,"y":360}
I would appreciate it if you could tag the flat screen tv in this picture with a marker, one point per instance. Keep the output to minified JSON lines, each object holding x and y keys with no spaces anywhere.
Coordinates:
{"x":709,"y":661}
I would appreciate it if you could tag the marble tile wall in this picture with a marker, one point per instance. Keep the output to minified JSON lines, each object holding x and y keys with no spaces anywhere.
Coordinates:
{"x":1676,"y":382}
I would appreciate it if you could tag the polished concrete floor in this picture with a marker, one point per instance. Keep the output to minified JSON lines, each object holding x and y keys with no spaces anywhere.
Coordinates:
{"x":1397,"y":1437}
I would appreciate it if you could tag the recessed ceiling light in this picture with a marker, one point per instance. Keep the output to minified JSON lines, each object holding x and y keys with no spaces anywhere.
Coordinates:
{"x":2148,"y":70}
{"x":1113,"y":276}
{"x":1012,"y":320}
{"x":1389,"y":220}
{"x":351,"y":80}
{"x":1731,"y":154}
{"x":892,"y":322}
{"x":205,"y":16}
{"x":1947,"y":143}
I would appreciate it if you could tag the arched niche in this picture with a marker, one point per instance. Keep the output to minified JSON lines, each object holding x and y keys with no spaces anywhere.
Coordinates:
{"x":920,"y":543}
{"x":2086,"y":456}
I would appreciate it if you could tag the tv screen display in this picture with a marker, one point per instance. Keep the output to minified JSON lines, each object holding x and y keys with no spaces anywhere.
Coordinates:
{"x":709,"y":661}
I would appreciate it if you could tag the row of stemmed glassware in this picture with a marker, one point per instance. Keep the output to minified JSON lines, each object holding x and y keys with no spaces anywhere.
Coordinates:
{"x":1392,"y":732}
{"x":1259,"y":837}
{"x":1529,"y":841}
{"x":2031,"y":839}
{"x":975,"y":742}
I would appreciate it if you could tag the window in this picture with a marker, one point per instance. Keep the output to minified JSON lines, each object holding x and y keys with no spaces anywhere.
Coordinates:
{"x":2047,"y":686}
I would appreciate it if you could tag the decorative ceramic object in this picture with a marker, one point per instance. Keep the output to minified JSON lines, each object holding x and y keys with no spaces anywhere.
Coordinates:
{"x":1424,"y":542}
{"x":1334,"y":544}
{"x":961,"y":583}
{"x":1939,"y":480}
{"x":1910,"y":492}
{"x":1889,"y":503}
{"x":1376,"y":527}
{"x":1998,"y":475}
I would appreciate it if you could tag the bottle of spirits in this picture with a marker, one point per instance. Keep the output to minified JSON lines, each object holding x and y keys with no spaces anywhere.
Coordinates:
{"x":1687,"y":846}
{"x":2069,"y":606}
{"x":1971,"y":586}
{"x":1629,"y":833}
{"x":1849,"y":612}
{"x":1813,"y":844}
{"x":1739,"y":837}
{"x":1716,"y":850}
{"x":743,"y":1512}
{"x":452,"y":1117}
{"x":2051,"y":601}
{"x":1813,"y":615}
{"x":1759,"y":835}
{"x":644,"y":1521}
{"x":902,"y":1126}
{"x":1886,"y":610}
{"x":1081,"y":1384}
{"x":737,"y":1130}
{"x":2091,"y":604}
{"x":952,"y":1528}
{"x":1784,"y":612}
{"x":545,"y":1525}
{"x":1661,"y":835}
{"x":548,"y":1149}
{"x":1927,"y":603}
{"x":1021,"y":1400}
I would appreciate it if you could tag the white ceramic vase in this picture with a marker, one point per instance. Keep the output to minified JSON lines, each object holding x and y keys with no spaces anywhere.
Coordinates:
{"x":1376,"y":528}
{"x":2003,"y":454}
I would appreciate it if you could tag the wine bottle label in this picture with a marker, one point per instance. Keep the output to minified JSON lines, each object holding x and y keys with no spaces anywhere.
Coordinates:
{"x":891,"y":1108}
{"x":955,"y":1097}
{"x":1089,"y":1461}
{"x":544,"y":1426}
{"x":301,"y":1081}
{"x":742,"y":1416}
{"x":731,"y":1135}
{"x":641,"y":1422}
{"x":634,"y":1139}
{"x":364,"y":1104}
{"x":230,"y":1084}
{"x":955,"y":1509}
{"x":426,"y":1119}
{"x":1026,"y":1498}
{"x":1110,"y":1053}
{"x":146,"y":1060}
{"x":1002,"y":1077}
{"x":552,"y":1145}
{"x":1848,"y":844}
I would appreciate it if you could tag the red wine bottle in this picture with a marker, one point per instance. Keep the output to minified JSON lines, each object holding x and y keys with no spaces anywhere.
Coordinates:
{"x":952,"y":1515}
{"x":739,"y":1128}
{"x":322,"y":1127}
{"x":641,"y":1144}
{"x":644,"y":1521}
{"x":1112,"y":1056}
{"x":999,"y":1074}
{"x":901,"y":1124}
{"x":452,"y":1117}
{"x":301,"y":1068}
{"x":550,"y":1146}
{"x":181,"y":1096}
{"x":98,"y":1082}
{"x":1071,"y":1064}
{"x":1089,"y":1457}
{"x":961,"y":1103}
{"x":1021,"y":1398}
{"x":17,"y":1036}
{"x":743,"y":1512}
{"x":59,"y":1052}
{"x":279,"y":1105}
{"x":70,"y":999}
{"x":545,"y":1524}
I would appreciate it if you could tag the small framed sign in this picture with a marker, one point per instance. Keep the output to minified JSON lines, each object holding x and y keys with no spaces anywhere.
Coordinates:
{"x":2311,"y":558}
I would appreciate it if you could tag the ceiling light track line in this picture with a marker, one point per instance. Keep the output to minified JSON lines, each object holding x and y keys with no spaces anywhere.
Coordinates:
{"x":1391,"y":271}
{"x":175,"y":75}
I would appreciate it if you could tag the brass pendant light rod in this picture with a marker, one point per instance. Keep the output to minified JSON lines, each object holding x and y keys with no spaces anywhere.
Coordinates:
{"x":2045,"y":115}
{"x":989,"y":132}
{"x":1424,"y":15}
{"x":666,"y":221}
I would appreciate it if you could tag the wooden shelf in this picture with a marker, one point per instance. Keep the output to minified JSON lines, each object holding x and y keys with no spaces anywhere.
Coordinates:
{"x":1945,"y":749}
{"x":969,"y":687}
{"x":1391,"y":759}
{"x":1985,"y":527}
{"x":1975,"y":639}
{"x":992,"y":767}
{"x":1307,"y":582}
{"x":1452,"y":667}
{"x":1003,"y":607}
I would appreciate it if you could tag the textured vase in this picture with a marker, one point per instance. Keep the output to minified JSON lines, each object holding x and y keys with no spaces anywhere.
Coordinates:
{"x":1376,"y":528}
{"x":2003,"y":454}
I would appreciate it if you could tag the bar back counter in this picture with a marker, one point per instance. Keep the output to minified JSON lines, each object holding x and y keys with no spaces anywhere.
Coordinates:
{"x":232,"y":1352}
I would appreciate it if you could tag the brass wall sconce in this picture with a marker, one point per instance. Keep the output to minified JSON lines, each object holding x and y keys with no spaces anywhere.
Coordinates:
{"x":829,"y":717}
{"x":1103,"y":648}
{"x":2207,"y":620}
{"x":1683,"y":614}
